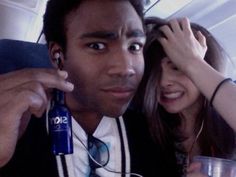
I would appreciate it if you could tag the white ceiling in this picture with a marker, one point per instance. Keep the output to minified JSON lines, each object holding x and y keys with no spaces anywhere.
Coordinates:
{"x":164,"y":8}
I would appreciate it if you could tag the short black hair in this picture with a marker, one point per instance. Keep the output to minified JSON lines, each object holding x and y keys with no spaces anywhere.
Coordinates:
{"x":56,"y":12}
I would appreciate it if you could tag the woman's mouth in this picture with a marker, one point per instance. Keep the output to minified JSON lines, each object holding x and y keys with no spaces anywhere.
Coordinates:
{"x":171,"y":96}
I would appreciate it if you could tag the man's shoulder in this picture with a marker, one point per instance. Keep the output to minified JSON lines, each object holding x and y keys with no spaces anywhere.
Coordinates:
{"x":134,"y":118}
{"x":32,"y":151}
{"x":133,"y":114}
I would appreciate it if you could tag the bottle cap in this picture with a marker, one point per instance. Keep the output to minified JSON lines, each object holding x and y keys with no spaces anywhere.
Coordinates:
{"x":58,"y":96}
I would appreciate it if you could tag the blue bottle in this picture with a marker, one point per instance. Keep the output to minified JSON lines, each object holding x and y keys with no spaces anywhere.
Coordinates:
{"x":60,"y":125}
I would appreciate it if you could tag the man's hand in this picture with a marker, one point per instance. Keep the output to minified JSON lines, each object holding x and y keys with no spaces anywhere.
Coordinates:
{"x":23,"y":93}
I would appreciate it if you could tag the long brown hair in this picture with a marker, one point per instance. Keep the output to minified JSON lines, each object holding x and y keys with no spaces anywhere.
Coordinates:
{"x":217,"y":138}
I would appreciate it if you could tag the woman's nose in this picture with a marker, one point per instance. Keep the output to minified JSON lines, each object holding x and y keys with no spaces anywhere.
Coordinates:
{"x":167,"y":77}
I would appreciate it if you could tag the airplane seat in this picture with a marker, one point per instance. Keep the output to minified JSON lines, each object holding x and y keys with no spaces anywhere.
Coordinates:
{"x":15,"y":55}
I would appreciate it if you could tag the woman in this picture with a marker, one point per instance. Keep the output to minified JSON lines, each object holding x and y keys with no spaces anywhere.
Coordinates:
{"x":184,"y":63}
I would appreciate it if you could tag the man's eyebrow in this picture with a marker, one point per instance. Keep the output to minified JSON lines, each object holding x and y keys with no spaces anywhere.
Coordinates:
{"x":100,"y":34}
{"x":112,"y":35}
{"x":136,"y":33}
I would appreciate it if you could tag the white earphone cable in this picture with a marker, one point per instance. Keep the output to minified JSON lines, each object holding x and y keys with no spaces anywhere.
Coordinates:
{"x":103,"y":166}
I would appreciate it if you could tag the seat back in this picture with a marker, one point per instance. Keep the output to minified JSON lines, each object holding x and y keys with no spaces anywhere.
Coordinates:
{"x":15,"y":55}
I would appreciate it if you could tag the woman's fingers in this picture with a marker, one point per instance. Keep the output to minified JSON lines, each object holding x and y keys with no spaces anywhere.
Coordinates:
{"x":194,"y":170}
{"x":201,"y":39}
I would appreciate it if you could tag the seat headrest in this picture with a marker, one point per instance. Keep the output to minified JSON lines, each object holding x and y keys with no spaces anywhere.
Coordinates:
{"x":15,"y":55}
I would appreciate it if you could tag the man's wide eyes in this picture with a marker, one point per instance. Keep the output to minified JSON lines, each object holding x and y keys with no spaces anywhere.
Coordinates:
{"x":135,"y":47}
{"x":97,"y":46}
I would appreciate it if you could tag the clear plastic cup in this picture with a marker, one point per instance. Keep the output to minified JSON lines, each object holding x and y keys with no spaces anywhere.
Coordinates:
{"x":216,"y":167}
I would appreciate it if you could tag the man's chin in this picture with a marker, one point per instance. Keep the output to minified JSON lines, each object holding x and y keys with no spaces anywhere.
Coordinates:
{"x":115,"y":112}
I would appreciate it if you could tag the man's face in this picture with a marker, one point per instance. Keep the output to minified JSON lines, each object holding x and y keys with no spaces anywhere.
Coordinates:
{"x":104,"y":56}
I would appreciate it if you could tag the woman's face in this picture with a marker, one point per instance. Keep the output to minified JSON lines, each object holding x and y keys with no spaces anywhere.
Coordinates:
{"x":177,"y":93}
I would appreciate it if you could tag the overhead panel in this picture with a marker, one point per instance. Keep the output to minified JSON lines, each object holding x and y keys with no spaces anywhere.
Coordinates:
{"x":21,"y":19}
{"x":166,"y":8}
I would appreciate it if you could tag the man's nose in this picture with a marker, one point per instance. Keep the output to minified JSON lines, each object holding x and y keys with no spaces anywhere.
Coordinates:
{"x":122,"y":64}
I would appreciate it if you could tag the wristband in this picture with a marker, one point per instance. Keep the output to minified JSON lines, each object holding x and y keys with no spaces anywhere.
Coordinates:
{"x":217,"y":88}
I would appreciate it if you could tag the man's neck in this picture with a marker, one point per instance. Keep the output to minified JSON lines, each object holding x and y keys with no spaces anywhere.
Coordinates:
{"x":87,"y":120}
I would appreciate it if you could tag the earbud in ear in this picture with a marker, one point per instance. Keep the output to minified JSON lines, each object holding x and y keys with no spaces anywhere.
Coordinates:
{"x":57,"y":55}
{"x":57,"y":58}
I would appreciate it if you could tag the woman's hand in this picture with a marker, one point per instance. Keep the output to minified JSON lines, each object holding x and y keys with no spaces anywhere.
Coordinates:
{"x":194,"y":170}
{"x":180,"y":44}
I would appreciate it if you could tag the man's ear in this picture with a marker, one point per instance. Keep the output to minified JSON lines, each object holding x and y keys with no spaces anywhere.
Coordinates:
{"x":56,"y":55}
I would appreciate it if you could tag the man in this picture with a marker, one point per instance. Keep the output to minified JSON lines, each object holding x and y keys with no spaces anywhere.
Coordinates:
{"x":100,"y":46}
